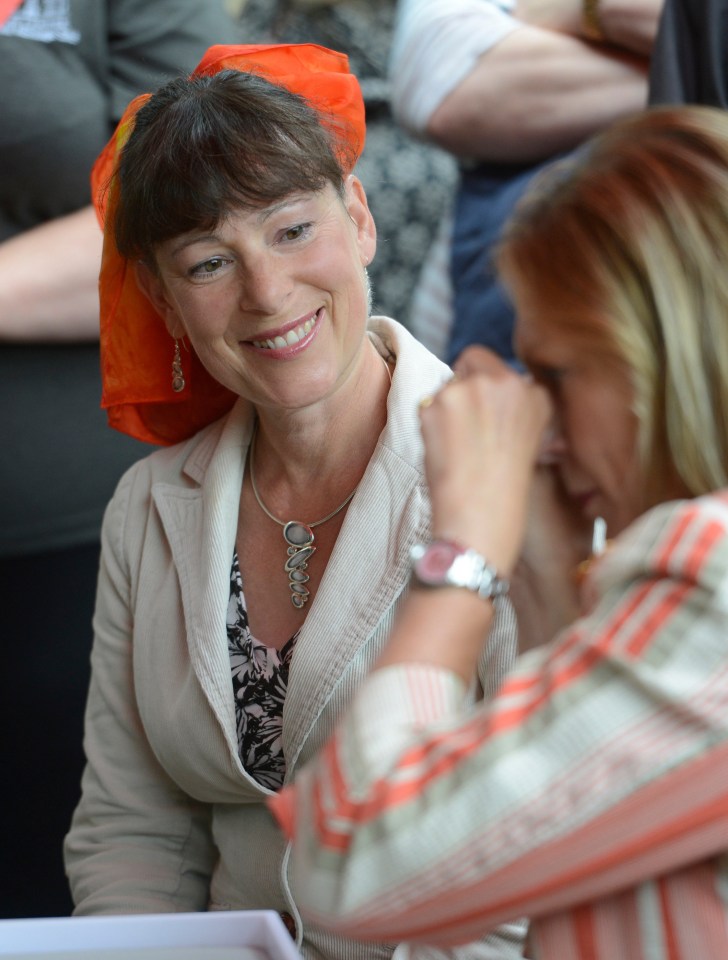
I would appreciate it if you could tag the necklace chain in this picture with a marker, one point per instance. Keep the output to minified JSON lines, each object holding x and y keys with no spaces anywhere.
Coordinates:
{"x":297,"y":535}
{"x":266,"y":511}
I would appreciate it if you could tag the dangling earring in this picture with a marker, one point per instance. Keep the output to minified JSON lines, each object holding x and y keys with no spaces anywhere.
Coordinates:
{"x":178,"y":379}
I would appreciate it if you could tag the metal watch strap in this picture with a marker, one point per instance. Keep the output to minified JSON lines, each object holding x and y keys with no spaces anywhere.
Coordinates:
{"x":467,"y":569}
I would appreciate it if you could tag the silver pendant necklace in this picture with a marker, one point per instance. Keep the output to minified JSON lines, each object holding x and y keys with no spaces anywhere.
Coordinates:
{"x":298,"y":535}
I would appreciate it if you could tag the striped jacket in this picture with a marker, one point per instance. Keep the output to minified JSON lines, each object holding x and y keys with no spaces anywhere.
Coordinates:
{"x":590,"y":794}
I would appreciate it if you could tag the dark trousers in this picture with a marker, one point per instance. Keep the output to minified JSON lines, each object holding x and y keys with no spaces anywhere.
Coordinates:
{"x":46,"y":606}
{"x":690,"y":58}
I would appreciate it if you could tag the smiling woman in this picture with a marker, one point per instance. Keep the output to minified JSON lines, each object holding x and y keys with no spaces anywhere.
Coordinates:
{"x":251,"y":572}
{"x":271,"y":286}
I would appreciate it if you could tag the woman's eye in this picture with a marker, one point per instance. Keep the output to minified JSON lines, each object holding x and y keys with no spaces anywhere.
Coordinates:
{"x":295,"y":233}
{"x":208,"y":267}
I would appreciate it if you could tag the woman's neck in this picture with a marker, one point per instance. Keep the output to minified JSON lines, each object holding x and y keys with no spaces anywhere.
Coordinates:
{"x":311,"y":457}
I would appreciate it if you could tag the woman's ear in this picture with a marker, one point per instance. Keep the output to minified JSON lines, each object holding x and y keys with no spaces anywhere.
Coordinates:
{"x":154,"y":290}
{"x":358,"y":209}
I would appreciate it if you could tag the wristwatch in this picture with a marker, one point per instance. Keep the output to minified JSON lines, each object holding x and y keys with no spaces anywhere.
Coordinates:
{"x":447,"y":563}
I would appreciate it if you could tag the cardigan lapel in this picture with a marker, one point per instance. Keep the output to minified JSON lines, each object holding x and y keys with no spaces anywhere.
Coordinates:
{"x":200,"y":525}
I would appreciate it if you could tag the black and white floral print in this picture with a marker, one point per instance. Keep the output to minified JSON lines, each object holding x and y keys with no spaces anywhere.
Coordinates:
{"x":260,"y":680}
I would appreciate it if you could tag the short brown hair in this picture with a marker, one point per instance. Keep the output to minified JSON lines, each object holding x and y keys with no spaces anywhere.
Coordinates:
{"x":204,"y":145}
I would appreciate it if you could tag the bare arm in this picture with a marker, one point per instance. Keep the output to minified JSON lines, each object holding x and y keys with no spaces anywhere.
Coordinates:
{"x":536,"y":93}
{"x":48,"y":281}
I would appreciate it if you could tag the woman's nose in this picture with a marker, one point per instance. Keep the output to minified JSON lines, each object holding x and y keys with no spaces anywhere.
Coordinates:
{"x":265,"y":286}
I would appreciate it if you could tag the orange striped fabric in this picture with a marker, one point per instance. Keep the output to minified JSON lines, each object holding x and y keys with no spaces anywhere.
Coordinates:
{"x":591,"y":794}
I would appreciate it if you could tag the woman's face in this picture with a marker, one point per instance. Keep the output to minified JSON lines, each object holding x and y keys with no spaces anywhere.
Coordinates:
{"x":595,"y":430}
{"x":274,"y":301}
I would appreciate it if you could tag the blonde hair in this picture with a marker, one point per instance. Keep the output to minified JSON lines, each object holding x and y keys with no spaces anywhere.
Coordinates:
{"x":631,"y":238}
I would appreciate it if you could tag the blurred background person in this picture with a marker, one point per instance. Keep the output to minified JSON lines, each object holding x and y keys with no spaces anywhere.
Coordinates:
{"x":505,"y":87}
{"x":67,"y":70}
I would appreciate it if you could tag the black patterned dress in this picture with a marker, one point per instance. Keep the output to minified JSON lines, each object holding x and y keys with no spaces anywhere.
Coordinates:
{"x":260,"y":680}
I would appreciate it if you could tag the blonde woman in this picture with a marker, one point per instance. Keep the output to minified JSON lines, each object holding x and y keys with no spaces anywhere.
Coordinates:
{"x":591,"y":793}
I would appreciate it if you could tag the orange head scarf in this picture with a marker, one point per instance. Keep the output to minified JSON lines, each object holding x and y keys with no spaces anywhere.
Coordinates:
{"x":136,"y":350}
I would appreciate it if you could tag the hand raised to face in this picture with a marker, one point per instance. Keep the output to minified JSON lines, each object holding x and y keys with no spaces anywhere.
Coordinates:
{"x":482,"y":434}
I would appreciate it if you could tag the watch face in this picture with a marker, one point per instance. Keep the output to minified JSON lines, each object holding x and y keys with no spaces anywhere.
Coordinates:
{"x":433,"y":565}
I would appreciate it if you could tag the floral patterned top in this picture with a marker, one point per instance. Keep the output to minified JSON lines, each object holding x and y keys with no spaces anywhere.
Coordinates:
{"x":260,"y":681}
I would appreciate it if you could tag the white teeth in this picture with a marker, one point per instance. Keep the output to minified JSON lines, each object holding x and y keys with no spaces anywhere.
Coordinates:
{"x":293,"y":336}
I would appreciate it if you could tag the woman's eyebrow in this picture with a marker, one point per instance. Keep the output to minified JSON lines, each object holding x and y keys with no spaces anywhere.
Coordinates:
{"x":289,"y":201}
{"x":191,"y":238}
{"x":188,"y":239}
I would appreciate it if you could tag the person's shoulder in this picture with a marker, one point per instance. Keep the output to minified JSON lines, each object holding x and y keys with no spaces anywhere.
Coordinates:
{"x":441,"y":8}
{"x":680,"y":539}
{"x":425,"y":18}
{"x":671,"y":525}
{"x":184,"y":462}
{"x":417,"y":373}
{"x":400,"y":342}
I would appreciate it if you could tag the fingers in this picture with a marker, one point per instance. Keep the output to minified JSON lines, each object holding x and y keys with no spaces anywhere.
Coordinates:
{"x":429,"y":398}
{"x":488,"y":395}
{"x":482,"y":434}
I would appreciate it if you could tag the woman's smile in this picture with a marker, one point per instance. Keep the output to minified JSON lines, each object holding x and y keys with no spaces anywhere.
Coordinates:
{"x":290,"y":340}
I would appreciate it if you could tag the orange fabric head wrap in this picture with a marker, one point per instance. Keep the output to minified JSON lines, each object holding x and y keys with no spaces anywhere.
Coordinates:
{"x":136,"y":350}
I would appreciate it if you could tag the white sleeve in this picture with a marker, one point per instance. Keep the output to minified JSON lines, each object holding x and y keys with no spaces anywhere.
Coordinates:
{"x":436,"y":43}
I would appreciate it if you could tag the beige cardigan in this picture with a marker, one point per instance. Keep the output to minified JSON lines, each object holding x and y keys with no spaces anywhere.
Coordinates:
{"x":169,"y":820}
